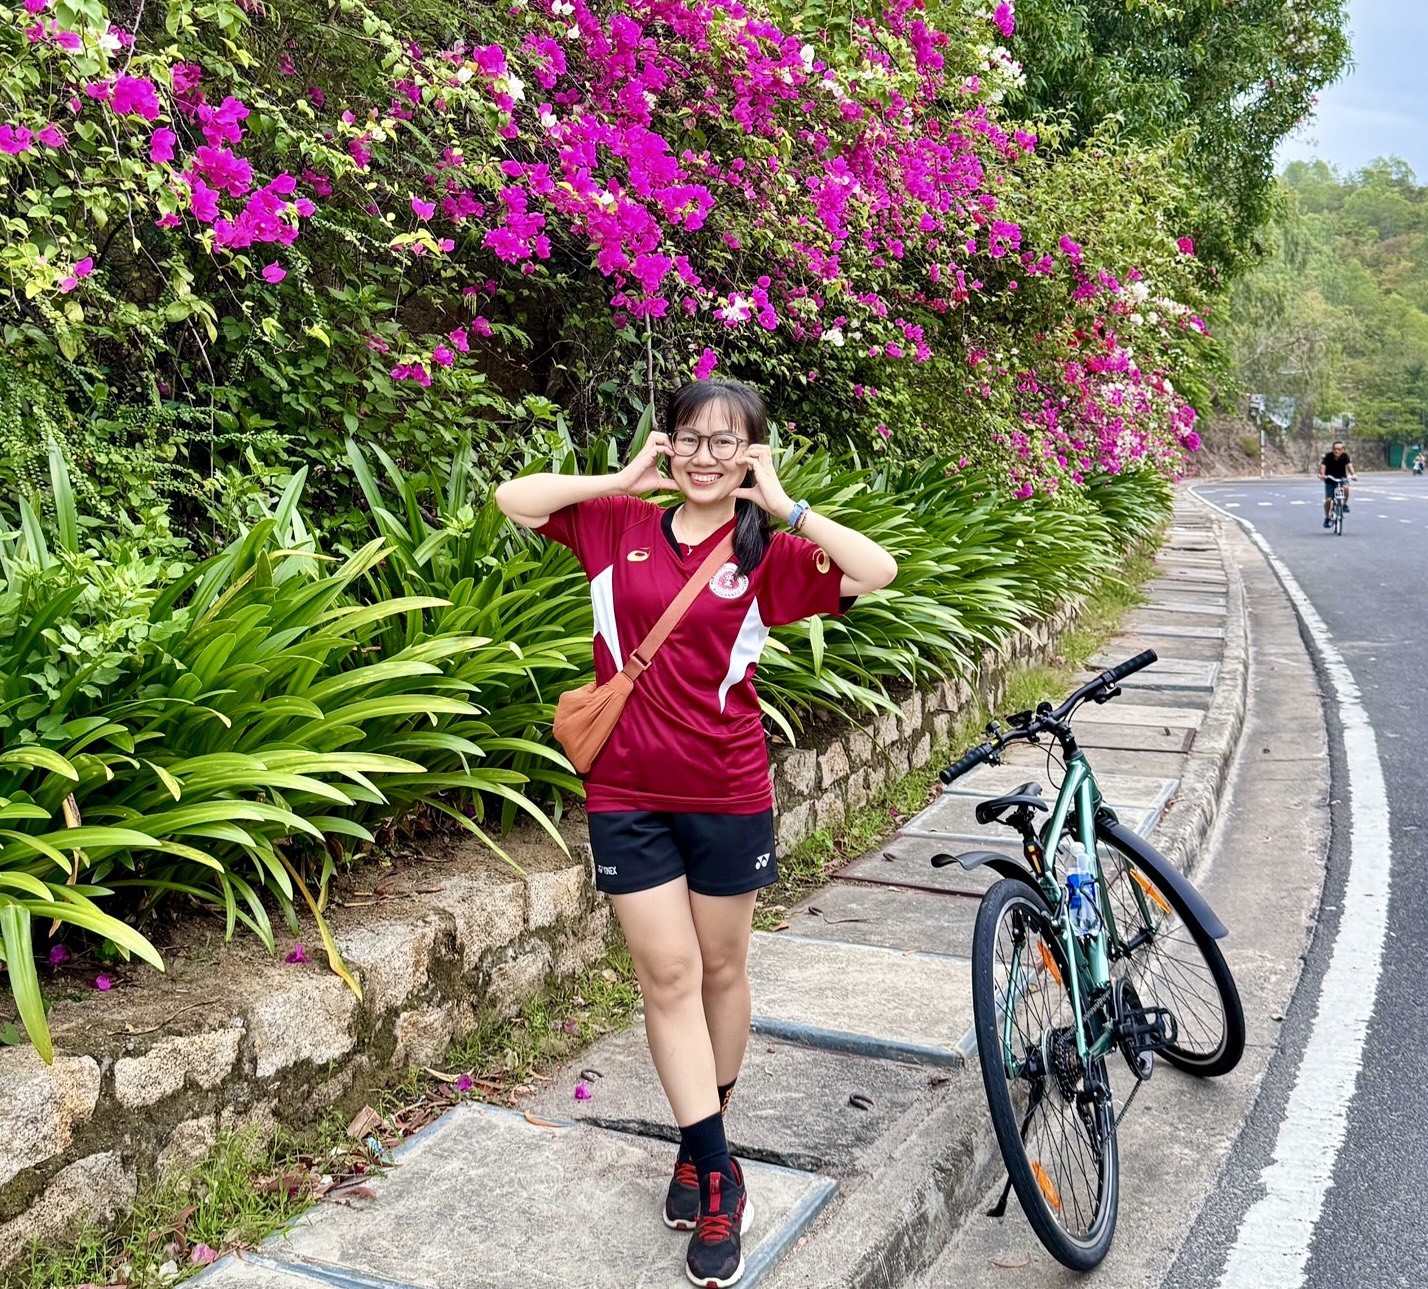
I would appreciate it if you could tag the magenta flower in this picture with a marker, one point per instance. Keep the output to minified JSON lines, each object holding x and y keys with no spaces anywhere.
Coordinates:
{"x":85,"y":267}
{"x":59,"y":955}
{"x":69,"y":40}
{"x":459,"y":339}
{"x":582,"y":1091}
{"x":295,"y":954}
{"x":704,"y":368}
{"x":423,"y":209}
{"x":463,"y":1084}
{"x":1186,"y":245}
{"x":15,"y":139}
{"x":442,"y":356}
{"x":274,"y":273}
{"x":202,"y":1255}
{"x":203,"y":200}
{"x":36,"y":6}
{"x":103,"y":983}
{"x":161,"y":145}
{"x":1006,"y":23}
{"x":52,"y":137}
{"x":168,"y":221}
{"x":135,"y":95}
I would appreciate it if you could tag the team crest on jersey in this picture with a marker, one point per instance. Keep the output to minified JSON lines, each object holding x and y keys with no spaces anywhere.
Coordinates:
{"x":728,"y":583}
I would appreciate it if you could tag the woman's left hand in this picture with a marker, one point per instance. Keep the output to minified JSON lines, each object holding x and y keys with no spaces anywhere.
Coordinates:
{"x":766,"y":490}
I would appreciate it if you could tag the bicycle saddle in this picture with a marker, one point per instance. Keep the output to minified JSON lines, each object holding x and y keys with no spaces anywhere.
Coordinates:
{"x":1028,"y":794}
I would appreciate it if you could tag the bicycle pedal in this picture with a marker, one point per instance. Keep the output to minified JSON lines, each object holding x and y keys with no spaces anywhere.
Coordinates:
{"x":1146,"y":1029}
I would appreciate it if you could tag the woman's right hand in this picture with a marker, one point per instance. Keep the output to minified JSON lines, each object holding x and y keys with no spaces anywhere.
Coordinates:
{"x":642,"y":474}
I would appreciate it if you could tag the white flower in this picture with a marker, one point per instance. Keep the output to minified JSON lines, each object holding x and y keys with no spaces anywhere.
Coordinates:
{"x":563,"y":8}
{"x":463,"y":75}
{"x":548,"y":120}
{"x":834,"y":336}
{"x":108,"y":41}
{"x":806,"y":56}
{"x":573,"y":31}
{"x":515,"y":87}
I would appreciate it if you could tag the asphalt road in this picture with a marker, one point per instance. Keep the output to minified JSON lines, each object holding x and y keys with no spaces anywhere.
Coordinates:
{"x":1370,"y":587}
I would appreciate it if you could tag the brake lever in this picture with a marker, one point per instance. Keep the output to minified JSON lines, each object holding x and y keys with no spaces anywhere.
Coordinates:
{"x":1105,"y":696}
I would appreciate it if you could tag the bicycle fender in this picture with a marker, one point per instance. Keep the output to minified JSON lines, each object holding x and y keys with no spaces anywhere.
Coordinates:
{"x":1147,"y":857}
{"x":1001,"y":864}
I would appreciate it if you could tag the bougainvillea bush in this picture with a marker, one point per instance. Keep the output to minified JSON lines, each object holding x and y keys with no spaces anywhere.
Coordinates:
{"x":238,"y":232}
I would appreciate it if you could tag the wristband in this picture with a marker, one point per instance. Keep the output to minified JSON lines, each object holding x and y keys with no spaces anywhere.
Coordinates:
{"x":797,"y":515}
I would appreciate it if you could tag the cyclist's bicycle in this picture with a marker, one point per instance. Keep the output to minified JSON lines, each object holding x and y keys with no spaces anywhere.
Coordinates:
{"x":1120,"y":960}
{"x":1336,"y":510}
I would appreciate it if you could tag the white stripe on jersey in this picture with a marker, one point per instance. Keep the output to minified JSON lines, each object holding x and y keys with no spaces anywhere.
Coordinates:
{"x":748,"y":648}
{"x":602,"y":598}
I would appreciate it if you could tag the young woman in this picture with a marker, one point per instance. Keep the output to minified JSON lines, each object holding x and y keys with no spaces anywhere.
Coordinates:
{"x":680,"y":799}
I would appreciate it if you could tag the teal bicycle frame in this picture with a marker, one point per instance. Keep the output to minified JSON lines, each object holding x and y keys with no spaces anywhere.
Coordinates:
{"x":1089,"y":958}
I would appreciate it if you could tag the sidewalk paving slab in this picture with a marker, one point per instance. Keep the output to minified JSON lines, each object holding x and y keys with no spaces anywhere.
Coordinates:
{"x":484,"y":1199}
{"x":896,"y":1004}
{"x":791,"y":1106}
{"x":1108,"y":737}
{"x":889,"y":917}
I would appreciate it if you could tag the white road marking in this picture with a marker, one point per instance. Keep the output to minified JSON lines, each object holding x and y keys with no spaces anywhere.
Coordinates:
{"x":1298,"y":503}
{"x":1264,"y":503}
{"x":1233,"y":505}
{"x":1271,"y":1249}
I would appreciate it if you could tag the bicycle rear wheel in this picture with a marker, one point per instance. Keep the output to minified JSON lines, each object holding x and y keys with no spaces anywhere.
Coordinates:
{"x":1172,"y":962}
{"x":1053,"y":1116}
{"x":1338,"y":519}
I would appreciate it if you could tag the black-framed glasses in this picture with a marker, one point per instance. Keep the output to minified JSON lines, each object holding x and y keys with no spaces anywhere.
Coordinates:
{"x":723,"y":445}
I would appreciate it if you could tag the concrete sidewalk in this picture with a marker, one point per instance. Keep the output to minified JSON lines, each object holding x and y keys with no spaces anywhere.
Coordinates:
{"x":858,"y":1110}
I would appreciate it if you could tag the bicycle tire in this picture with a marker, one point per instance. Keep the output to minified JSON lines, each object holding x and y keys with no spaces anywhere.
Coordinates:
{"x":1180,"y":967}
{"x":1033,"y":1114}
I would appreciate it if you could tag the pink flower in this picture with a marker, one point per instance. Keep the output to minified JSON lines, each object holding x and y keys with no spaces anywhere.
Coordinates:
{"x":459,"y":339}
{"x":1186,"y":245}
{"x":202,"y":1255}
{"x":442,"y":356}
{"x":884,"y":431}
{"x":704,"y":368}
{"x":423,"y":209}
{"x":135,"y":95}
{"x":204,"y":201}
{"x":1006,"y":23}
{"x":103,"y":983}
{"x":85,"y":267}
{"x":582,"y":1091}
{"x":68,"y":284}
{"x":52,"y":137}
{"x":161,"y":145}
{"x":168,"y":221}
{"x":463,"y":1084}
{"x":274,"y":273}
{"x":14,"y":139}
{"x":59,"y":955}
{"x":480,"y":326}
{"x":295,"y":954}
{"x":69,"y":40}
{"x":36,"y":6}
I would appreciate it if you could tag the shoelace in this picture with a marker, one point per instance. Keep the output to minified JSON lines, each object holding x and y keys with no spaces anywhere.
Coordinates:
{"x":686,"y":1175}
{"x":714,"y":1227}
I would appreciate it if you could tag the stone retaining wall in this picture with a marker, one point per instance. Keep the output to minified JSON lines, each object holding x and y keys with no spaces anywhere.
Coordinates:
{"x":146,"y":1077}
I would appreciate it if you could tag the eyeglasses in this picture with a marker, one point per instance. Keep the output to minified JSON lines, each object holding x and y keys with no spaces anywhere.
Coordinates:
{"x":724,"y":446}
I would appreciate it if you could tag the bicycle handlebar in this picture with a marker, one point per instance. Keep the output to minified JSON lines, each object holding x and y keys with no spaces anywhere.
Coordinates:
{"x":1103,"y":685}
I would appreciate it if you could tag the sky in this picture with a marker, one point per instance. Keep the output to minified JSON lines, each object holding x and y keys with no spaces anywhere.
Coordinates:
{"x":1380,"y":108}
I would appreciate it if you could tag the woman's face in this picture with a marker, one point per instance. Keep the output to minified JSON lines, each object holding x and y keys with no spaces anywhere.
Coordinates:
{"x":706,"y":449}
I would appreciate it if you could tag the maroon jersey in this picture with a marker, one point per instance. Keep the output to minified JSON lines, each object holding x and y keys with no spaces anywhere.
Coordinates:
{"x":690,"y":737}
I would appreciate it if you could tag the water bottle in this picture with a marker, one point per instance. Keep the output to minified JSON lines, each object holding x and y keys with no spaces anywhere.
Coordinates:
{"x":1081,"y":907}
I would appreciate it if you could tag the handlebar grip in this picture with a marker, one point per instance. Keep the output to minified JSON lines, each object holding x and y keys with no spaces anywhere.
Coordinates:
{"x":977,"y":756}
{"x":1123,"y":669}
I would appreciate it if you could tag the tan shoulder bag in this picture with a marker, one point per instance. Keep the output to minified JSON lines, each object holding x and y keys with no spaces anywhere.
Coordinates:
{"x":584,"y":717}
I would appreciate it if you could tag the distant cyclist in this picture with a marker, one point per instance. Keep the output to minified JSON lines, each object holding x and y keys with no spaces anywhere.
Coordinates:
{"x":1336,"y":470}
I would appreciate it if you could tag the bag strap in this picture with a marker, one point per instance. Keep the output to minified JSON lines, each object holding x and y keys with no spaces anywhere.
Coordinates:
{"x":679,"y":606}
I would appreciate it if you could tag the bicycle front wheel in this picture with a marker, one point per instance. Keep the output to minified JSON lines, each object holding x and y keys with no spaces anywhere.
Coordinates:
{"x":1053,"y":1114}
{"x":1173,"y":962}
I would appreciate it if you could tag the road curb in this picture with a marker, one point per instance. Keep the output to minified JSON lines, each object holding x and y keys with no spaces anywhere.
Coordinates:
{"x":1190,"y":815}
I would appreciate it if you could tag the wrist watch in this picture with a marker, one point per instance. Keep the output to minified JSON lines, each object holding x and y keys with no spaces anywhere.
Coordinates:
{"x":797,"y":515}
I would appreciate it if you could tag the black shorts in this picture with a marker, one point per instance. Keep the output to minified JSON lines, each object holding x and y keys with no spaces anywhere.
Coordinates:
{"x":636,"y":850}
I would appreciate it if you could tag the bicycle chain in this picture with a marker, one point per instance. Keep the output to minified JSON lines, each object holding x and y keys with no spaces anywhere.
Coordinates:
{"x":1125,"y":1109}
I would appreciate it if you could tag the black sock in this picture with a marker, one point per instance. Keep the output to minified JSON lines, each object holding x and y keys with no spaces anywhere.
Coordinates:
{"x":707,"y":1148}
{"x":726,"y":1090}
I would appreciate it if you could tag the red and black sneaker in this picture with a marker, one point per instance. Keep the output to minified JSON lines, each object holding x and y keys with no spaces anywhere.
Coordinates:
{"x":681,"y":1204}
{"x":716,"y":1256}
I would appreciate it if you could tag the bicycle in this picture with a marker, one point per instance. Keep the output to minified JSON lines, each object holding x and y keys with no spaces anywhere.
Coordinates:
{"x":1052,"y":1000}
{"x":1336,"y":511}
